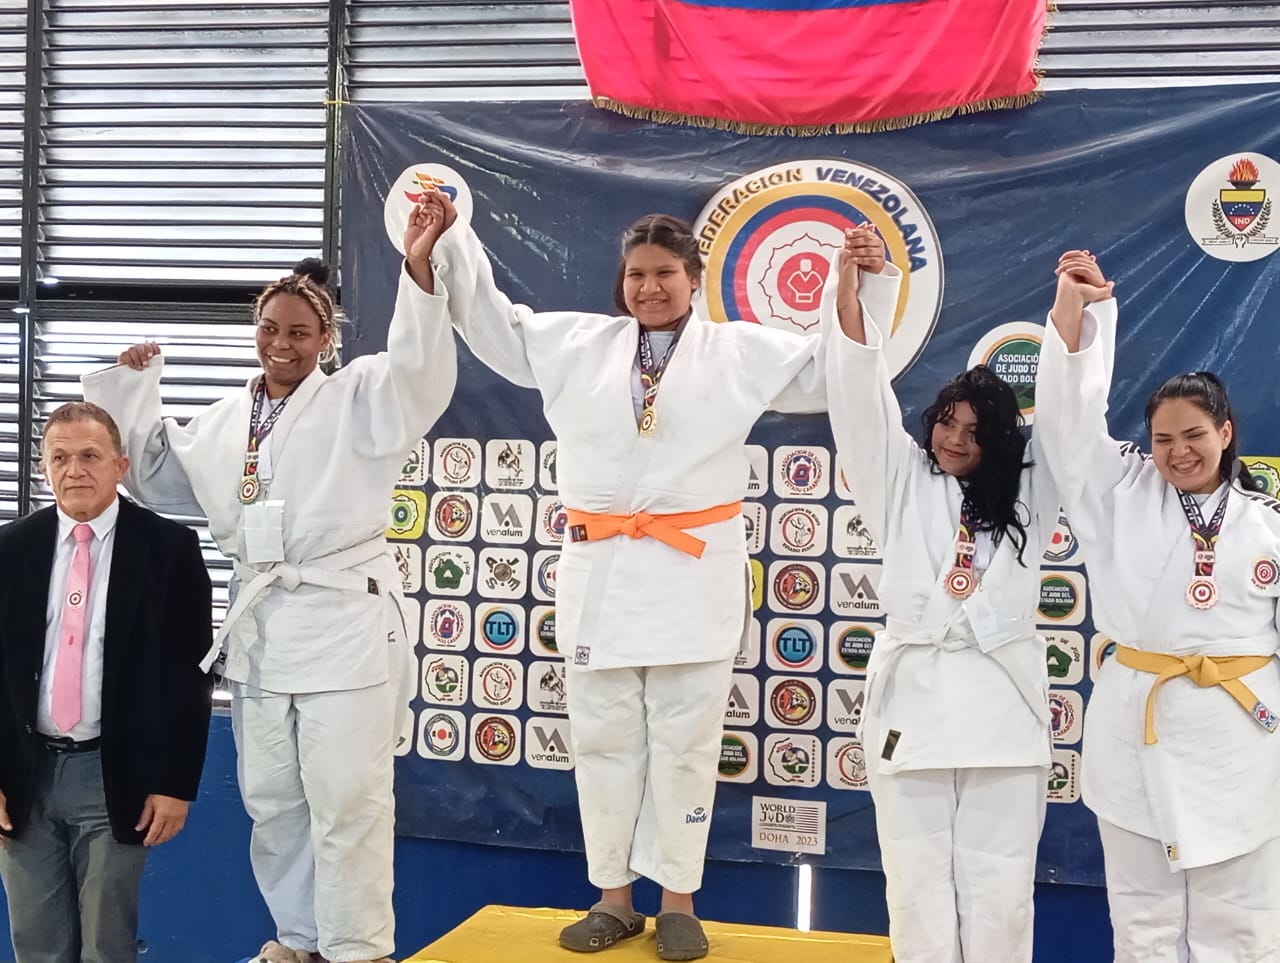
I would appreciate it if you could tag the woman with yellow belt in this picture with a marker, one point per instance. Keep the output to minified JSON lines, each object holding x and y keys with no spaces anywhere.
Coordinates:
{"x":650,"y":409}
{"x":1181,"y":760}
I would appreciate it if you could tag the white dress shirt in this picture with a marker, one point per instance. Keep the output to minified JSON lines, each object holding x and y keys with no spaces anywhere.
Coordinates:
{"x":100,"y":547}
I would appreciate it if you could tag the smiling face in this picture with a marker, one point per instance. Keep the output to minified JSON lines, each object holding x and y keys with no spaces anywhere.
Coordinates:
{"x":954,"y":441}
{"x":82,"y":466}
{"x":290,"y":338}
{"x":656,"y":286}
{"x":1187,"y":446}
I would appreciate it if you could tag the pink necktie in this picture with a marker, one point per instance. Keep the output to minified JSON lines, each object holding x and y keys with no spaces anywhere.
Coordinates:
{"x":67,"y":670}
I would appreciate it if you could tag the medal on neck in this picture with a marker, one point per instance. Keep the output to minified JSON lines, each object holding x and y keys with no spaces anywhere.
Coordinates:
{"x":962,"y":579}
{"x":1202,"y":592}
{"x":250,"y":484}
{"x":651,"y":377}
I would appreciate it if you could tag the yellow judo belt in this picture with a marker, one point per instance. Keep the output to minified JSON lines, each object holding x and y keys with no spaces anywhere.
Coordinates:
{"x":1205,"y":671}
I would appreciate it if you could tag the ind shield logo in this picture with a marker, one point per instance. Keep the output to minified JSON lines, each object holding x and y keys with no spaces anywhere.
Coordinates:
{"x":1230,"y":204}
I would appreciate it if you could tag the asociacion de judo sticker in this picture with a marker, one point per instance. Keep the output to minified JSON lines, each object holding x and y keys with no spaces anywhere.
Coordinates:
{"x":767,"y":240}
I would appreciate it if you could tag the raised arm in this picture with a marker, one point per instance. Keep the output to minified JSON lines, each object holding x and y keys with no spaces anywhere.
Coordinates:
{"x":130,"y":392}
{"x":875,"y":295}
{"x":1072,"y":384}
{"x":873,"y":450}
{"x":406,"y":388}
{"x":491,"y":325}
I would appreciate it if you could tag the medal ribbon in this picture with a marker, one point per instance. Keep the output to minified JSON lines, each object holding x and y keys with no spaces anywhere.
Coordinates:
{"x":257,"y":431}
{"x":651,"y":373}
{"x":1205,"y":536}
{"x":966,"y":536}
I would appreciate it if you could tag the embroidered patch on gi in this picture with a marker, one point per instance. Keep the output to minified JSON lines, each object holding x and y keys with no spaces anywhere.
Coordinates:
{"x":1266,"y":573}
{"x":1265,"y":717}
{"x":890,"y":744}
{"x":1171,"y":851}
{"x":582,"y":655}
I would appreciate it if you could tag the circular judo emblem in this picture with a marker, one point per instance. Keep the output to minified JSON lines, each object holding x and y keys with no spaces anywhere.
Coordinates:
{"x":796,"y":586}
{"x":768,"y":238}
{"x":442,"y":734}
{"x":453,"y":515}
{"x":495,"y":739}
{"x":793,"y":702}
{"x":499,"y":628}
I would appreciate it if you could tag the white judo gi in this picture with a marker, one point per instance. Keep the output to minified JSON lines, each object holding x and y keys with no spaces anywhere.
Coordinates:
{"x":955,"y":723}
{"x":315,"y":647}
{"x":649,"y":633}
{"x":1188,"y":827}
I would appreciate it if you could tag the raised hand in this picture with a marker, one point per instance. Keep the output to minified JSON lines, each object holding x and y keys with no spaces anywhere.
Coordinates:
{"x":863,"y":250}
{"x":1080,"y":282}
{"x":1080,"y":278}
{"x":140,"y":355}
{"x":431,"y":216}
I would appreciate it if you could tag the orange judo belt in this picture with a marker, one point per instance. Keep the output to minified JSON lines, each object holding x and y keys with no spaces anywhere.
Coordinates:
{"x":1205,"y":671}
{"x":668,"y":529}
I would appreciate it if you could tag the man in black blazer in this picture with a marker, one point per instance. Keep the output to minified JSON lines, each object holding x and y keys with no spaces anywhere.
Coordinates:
{"x":104,"y":712}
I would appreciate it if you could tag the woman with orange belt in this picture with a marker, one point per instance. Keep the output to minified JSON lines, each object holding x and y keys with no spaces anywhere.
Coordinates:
{"x":651,"y":410}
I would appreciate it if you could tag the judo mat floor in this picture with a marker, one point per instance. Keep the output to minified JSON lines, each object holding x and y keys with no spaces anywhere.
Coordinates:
{"x":498,"y":934}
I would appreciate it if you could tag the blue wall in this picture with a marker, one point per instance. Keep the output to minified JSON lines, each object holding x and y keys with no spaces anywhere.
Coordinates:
{"x":200,"y":905}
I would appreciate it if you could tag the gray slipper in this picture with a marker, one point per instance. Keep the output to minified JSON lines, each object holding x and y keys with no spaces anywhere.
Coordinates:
{"x":680,"y":937}
{"x":603,"y":926}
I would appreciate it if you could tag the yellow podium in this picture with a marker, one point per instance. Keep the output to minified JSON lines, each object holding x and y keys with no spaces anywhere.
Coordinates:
{"x":510,"y":934}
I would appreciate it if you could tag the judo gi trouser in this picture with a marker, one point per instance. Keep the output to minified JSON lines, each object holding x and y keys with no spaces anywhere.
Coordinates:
{"x":72,"y":889}
{"x":1227,"y":912}
{"x":646,"y":745}
{"x":959,"y":854}
{"x":316,"y":776}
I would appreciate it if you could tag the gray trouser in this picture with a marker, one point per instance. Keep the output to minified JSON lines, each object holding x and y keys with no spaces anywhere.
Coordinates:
{"x":72,"y":889}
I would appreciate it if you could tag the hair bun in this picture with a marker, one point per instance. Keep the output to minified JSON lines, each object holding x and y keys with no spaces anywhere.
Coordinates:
{"x":313,"y":269}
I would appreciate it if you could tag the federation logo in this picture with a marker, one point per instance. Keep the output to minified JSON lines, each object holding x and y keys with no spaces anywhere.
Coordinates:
{"x":735,"y":756}
{"x":448,"y":626}
{"x":799,"y":529}
{"x":768,"y":238}
{"x":555,"y":517}
{"x":444,"y":680}
{"x":791,"y":760}
{"x":1266,"y":475}
{"x":795,"y":586}
{"x":848,"y":766}
{"x":547,"y":575}
{"x":504,"y":573}
{"x":545,"y":630}
{"x":793,"y":702}
{"x":800,"y":471}
{"x":413,"y":471}
{"x":509,"y":463}
{"x":450,"y":571}
{"x":452,"y":516}
{"x":407,"y":510}
{"x":411,"y":186}
{"x":457,"y":463}
{"x":1265,"y":717}
{"x":1229,"y":207}
{"x":1059,"y":598}
{"x":499,"y":686}
{"x":495,"y":739}
{"x":853,"y":646}
{"x":1062,"y":544}
{"x":441,"y":734}
{"x":1012,"y":352}
{"x":1062,"y":716}
{"x":549,"y":680}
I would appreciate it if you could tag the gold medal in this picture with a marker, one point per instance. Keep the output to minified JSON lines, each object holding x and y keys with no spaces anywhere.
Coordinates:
{"x":648,"y":422}
{"x":961,"y":583}
{"x":1202,"y":593}
{"x":249,"y":489}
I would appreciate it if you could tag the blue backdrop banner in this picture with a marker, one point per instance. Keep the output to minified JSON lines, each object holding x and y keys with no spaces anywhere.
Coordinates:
{"x":1172,"y":189}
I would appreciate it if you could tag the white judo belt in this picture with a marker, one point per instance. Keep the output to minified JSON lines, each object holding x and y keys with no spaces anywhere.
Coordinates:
{"x":330,"y":571}
{"x":945,"y":639}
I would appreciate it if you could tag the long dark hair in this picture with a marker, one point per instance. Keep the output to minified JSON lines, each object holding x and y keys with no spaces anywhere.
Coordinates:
{"x":1205,"y":390}
{"x":993,"y":487}
{"x":665,"y":231}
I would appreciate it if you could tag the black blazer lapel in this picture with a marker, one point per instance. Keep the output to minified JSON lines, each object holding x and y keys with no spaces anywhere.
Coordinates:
{"x":130,"y":557}
{"x":30,"y":606}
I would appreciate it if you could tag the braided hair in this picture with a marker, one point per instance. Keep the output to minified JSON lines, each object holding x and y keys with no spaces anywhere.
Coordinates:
{"x":309,"y":281}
